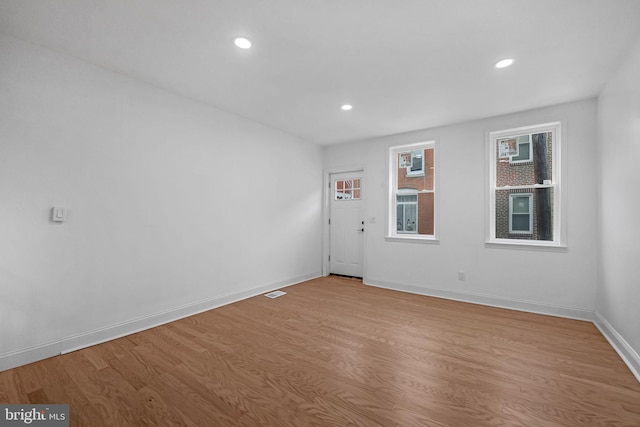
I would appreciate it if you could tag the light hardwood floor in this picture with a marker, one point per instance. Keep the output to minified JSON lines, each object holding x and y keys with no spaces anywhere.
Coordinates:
{"x":336,"y":352}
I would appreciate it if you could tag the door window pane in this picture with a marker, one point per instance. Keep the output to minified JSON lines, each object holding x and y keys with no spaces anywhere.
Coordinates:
{"x":347,"y":189}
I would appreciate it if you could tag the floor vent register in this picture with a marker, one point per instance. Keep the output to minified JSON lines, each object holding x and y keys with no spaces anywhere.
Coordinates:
{"x":275,"y":294}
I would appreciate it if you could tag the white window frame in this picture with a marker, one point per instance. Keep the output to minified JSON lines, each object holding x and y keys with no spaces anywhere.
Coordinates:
{"x":559,"y":236}
{"x":512,"y":213}
{"x":392,"y":223}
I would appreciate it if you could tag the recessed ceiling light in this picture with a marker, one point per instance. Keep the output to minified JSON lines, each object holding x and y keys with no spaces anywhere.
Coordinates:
{"x":347,"y":107}
{"x":505,"y":63}
{"x":242,"y":42}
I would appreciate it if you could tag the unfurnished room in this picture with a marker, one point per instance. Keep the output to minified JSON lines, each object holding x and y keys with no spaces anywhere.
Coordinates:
{"x":319,"y":213}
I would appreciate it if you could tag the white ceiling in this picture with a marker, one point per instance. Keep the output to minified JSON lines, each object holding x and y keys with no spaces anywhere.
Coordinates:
{"x":404,"y":64}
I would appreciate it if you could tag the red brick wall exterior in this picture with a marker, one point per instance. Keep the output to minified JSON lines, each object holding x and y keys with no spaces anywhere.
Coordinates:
{"x":502,"y":215}
{"x":508,"y":173}
{"x":425,"y":213}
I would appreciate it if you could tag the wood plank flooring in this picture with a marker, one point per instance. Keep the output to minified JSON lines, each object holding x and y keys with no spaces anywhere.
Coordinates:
{"x":334,"y":352}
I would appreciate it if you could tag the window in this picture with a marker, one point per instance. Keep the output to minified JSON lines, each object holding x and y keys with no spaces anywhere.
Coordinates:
{"x":520,"y":213}
{"x":413,"y":162}
{"x":347,"y":189}
{"x":524,"y":192}
{"x":524,"y":150}
{"x":412,"y":192}
{"x":407,"y":211}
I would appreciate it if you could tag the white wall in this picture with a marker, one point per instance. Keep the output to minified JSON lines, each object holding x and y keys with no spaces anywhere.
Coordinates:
{"x":562,"y":283}
{"x":174,"y":206}
{"x":618,"y":307}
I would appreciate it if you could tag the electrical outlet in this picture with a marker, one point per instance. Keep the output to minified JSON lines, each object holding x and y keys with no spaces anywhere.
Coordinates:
{"x":462,"y":276}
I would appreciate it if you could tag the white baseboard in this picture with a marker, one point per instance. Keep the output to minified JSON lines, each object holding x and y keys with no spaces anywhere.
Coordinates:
{"x":490,"y":300}
{"x":87,"y":339}
{"x":619,"y":344}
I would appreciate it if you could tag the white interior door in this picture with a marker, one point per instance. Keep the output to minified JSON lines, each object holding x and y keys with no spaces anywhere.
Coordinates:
{"x":346,"y":224}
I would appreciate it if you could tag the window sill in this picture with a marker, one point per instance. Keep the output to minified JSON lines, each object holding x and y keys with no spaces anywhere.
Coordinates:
{"x":523,"y":187}
{"x":412,"y":239}
{"x":528,"y":246}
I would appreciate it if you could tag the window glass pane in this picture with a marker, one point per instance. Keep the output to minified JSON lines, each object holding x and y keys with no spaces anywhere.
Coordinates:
{"x":536,"y":210}
{"x":418,"y":172}
{"x":507,"y":147}
{"x":429,"y":169}
{"x":407,"y":198}
{"x":407,"y":213}
{"x":545,"y":168}
{"x":520,"y":222}
{"x":347,"y":189}
{"x":524,"y":152}
{"x":343,"y":195}
{"x":416,"y":161}
{"x":532,"y":165}
{"x":410,"y":211}
{"x":404,"y":160}
{"x":426,"y":213}
{"x":521,"y":204}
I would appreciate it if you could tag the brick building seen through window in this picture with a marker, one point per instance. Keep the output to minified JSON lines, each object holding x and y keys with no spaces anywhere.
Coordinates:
{"x":519,"y":212}
{"x":415,"y":192}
